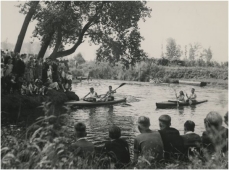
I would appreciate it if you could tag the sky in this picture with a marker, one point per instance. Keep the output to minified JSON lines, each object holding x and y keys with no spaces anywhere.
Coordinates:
{"x":187,"y":22}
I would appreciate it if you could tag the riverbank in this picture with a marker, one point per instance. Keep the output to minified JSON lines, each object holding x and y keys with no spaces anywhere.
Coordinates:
{"x":145,"y":71}
{"x":14,"y":106}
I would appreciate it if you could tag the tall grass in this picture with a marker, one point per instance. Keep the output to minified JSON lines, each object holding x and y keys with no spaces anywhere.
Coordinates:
{"x":47,"y":145}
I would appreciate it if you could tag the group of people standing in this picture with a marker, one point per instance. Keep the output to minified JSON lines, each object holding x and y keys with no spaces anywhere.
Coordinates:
{"x":29,"y":75}
{"x":164,"y":144}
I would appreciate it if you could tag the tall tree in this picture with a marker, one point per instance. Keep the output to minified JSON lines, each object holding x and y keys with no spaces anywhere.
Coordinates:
{"x":99,"y":22}
{"x":194,"y":51}
{"x":208,"y":54}
{"x":32,"y":9}
{"x":79,"y":59}
{"x":172,"y":49}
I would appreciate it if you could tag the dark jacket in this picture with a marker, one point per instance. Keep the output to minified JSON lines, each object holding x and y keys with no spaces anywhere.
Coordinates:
{"x":19,"y":67}
{"x":216,"y":141}
{"x":119,"y":151}
{"x":191,"y":140}
{"x":172,"y":141}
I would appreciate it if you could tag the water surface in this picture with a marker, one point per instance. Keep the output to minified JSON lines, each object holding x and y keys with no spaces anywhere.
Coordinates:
{"x":142,"y":97}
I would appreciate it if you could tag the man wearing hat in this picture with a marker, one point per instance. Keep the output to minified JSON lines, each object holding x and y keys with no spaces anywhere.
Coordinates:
{"x":172,"y":141}
{"x":149,"y":143}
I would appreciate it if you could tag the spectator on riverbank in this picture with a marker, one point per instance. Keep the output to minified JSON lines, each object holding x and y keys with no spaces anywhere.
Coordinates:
{"x":81,"y":147}
{"x":30,"y":70}
{"x":149,"y":143}
{"x":68,"y":85}
{"x":8,"y":68}
{"x":173,"y":142}
{"x":38,"y":68}
{"x":45,"y":69}
{"x":226,"y":118}
{"x":214,"y":139}
{"x":49,"y":73}
{"x":117,"y":148}
{"x":19,"y":66}
{"x":191,"y":139}
{"x":51,"y":84}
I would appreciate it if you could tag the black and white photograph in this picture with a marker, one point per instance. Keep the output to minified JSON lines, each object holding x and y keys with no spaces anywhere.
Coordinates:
{"x":114,"y":84}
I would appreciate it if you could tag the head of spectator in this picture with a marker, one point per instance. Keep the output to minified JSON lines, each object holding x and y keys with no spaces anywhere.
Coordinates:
{"x":143,"y":124}
{"x":189,"y":126}
{"x":226,"y":118}
{"x":164,"y":121}
{"x":213,"y":121}
{"x":114,"y":132}
{"x":10,"y":61}
{"x":80,"y":130}
{"x":12,"y":54}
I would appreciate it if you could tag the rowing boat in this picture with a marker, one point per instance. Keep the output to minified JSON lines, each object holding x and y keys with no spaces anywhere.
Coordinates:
{"x":171,"y":104}
{"x":86,"y":103}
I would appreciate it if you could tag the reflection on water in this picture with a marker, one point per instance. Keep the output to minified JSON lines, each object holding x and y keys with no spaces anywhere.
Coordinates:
{"x":142,"y":98}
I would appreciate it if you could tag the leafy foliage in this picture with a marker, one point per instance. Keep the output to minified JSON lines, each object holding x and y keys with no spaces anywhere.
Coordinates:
{"x":111,"y":24}
{"x":173,"y":50}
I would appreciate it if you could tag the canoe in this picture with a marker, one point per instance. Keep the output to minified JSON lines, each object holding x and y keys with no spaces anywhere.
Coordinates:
{"x":193,"y":83}
{"x":86,"y":103}
{"x":171,"y":104}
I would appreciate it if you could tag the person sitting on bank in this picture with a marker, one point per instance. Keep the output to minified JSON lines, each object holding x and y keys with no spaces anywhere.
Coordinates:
{"x":192,"y":96}
{"x":172,"y":141}
{"x":81,"y":147}
{"x":149,"y":143}
{"x":181,"y":97}
{"x":214,"y":139}
{"x":191,"y":139}
{"x":118,"y":148}
{"x":226,"y":118}
{"x":92,"y":96}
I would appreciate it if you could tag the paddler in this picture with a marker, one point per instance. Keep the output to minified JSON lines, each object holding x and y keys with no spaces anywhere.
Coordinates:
{"x":192,"y":97}
{"x":109,"y":96}
{"x":92,"y":96}
{"x":181,"y":97}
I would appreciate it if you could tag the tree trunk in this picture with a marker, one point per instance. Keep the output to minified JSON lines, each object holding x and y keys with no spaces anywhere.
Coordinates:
{"x":80,"y":39}
{"x":45,"y":45}
{"x":25,"y":25}
{"x":58,"y":43}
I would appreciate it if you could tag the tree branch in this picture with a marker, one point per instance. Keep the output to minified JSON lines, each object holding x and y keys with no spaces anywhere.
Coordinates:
{"x":80,"y":39}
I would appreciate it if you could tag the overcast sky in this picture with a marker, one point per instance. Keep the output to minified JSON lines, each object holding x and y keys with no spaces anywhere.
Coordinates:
{"x":186,"y":22}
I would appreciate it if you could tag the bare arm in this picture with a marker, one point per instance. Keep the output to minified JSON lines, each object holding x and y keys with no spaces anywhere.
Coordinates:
{"x":86,"y":95}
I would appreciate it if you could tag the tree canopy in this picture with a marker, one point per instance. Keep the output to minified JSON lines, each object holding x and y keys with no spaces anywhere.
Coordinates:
{"x":113,"y":25}
{"x":173,"y":50}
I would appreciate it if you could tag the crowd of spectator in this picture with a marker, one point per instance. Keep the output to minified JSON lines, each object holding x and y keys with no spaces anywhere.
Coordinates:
{"x":26,"y":74}
{"x":164,"y":144}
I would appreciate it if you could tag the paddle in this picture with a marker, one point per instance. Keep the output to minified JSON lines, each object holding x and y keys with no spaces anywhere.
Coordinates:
{"x":115,"y":89}
{"x":189,"y":100}
{"x":176,"y":95}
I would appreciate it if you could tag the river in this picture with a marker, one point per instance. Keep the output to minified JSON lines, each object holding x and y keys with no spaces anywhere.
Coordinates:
{"x":142,"y":97}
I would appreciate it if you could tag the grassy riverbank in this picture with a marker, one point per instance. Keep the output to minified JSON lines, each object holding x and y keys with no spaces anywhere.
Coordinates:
{"x":145,"y":71}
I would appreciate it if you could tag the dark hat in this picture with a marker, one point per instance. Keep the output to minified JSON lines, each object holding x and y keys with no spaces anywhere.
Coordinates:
{"x":165,"y":118}
{"x":92,"y":88}
{"x":144,"y":121}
